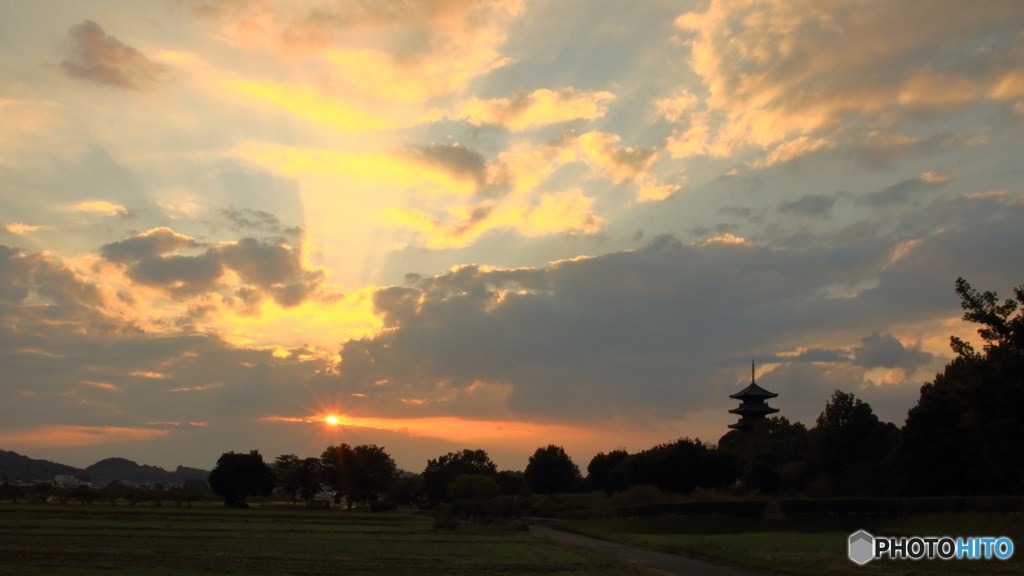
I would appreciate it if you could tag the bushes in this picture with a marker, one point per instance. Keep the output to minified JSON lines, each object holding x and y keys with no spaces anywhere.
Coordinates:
{"x":382,"y":506}
{"x":724,"y":508}
{"x":900,"y":506}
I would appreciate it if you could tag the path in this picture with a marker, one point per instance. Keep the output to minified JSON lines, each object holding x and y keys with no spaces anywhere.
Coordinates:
{"x":668,"y":563}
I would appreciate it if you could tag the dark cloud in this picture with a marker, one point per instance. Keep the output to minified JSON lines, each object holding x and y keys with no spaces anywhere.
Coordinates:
{"x":888,"y":352}
{"x":900,"y":193}
{"x":809,"y":205}
{"x":457,"y":159}
{"x":102,"y":59}
{"x":150,"y":244}
{"x":21,"y":274}
{"x":272,"y":267}
{"x":248,"y":219}
{"x":741,"y":211}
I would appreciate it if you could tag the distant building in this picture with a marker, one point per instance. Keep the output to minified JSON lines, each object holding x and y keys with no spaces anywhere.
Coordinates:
{"x":752,"y":404}
{"x":200,"y":485}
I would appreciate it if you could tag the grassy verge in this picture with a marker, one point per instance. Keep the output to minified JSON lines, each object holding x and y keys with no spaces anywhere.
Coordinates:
{"x":74,"y":540}
{"x":809,"y":546}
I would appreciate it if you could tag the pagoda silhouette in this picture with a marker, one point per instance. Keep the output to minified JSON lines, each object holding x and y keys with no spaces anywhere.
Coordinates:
{"x":752,"y":404}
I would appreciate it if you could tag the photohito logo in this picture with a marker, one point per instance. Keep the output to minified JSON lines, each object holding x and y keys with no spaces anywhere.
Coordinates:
{"x":863,"y":547}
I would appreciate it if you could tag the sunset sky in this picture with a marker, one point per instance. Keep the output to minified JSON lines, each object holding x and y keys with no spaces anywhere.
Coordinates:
{"x":488,"y":224}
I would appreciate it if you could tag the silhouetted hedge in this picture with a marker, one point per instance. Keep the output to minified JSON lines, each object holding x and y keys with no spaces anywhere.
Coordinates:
{"x":727,"y":508}
{"x":382,"y":506}
{"x":900,"y":506}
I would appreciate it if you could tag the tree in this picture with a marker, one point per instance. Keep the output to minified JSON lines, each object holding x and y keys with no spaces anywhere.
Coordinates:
{"x":551,"y":471}
{"x":473,"y":487}
{"x":510,"y":482}
{"x":442,"y":471}
{"x":848,"y":445}
{"x":238,"y":475}
{"x":308,"y":475}
{"x":605,"y":471}
{"x":774,"y":444}
{"x":964,"y":434}
{"x":359,"y":473}
{"x":286,"y":474}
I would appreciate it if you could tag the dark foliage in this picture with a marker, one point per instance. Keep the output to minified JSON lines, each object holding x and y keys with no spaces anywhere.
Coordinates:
{"x":238,"y":475}
{"x":444,"y":470}
{"x":551,"y":472}
{"x":680,"y":467}
{"x":965,"y":433}
{"x":605,"y":471}
{"x":360,"y":472}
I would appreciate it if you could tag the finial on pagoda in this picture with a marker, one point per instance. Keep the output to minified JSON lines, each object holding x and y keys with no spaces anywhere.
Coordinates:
{"x":752,"y":403}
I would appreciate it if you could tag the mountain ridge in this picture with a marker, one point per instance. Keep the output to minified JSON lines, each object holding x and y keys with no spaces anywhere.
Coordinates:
{"x":17,"y":467}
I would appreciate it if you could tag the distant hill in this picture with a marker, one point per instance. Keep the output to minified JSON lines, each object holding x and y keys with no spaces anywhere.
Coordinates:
{"x":18,"y":467}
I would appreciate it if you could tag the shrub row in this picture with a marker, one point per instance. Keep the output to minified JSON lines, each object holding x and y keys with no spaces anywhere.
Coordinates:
{"x":382,"y":506}
{"x":726,"y":508}
{"x":899,"y":506}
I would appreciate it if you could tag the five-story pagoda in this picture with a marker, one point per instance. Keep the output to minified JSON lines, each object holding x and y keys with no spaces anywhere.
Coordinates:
{"x":752,"y":404}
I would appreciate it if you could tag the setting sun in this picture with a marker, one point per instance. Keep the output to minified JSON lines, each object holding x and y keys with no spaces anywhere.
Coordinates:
{"x":331,"y":419}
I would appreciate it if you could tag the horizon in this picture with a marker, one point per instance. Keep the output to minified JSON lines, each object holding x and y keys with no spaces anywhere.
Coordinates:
{"x":494,"y":225}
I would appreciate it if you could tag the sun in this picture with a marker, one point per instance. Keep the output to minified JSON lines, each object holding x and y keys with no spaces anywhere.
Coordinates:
{"x":331,"y":419}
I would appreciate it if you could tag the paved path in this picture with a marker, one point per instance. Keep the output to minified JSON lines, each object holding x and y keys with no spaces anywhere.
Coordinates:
{"x":668,"y":563}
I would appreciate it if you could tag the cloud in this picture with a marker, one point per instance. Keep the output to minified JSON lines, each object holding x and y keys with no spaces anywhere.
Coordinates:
{"x":47,"y":436}
{"x":101,"y":206}
{"x":901,"y":192}
{"x":263,"y":267}
{"x":794,"y":76}
{"x":102,"y":59}
{"x":405,"y":52}
{"x":19,"y":228}
{"x":809,"y":205}
{"x":888,"y":352}
{"x":41,"y":274}
{"x":249,"y":219}
{"x":541,"y":107}
{"x":151,"y":244}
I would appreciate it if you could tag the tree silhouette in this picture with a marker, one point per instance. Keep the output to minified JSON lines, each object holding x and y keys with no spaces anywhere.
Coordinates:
{"x":359,"y":473}
{"x":442,"y":471}
{"x":964,"y":434}
{"x":551,"y":471}
{"x":605,"y":471}
{"x":238,"y":475}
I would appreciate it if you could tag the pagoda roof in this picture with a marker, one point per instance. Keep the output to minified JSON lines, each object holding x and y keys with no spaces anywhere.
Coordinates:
{"x":754,"y":408}
{"x":753,"y":391}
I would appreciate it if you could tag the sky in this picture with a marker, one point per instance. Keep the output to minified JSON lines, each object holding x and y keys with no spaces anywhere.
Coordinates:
{"x":494,"y":224}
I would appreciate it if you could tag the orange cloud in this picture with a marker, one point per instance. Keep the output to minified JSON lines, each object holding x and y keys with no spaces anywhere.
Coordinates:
{"x":101,"y":206}
{"x":788,"y":75}
{"x":64,"y":436}
{"x":539,"y":108}
{"x":20,"y":228}
{"x":103,"y":385}
{"x":568,"y":211}
{"x":451,"y":428}
{"x":792,"y":150}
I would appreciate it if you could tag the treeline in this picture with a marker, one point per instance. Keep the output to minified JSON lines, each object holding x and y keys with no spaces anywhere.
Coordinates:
{"x":112,"y":493}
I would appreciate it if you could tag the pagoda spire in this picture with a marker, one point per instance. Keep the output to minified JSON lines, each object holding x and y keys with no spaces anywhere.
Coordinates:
{"x":752,"y":403}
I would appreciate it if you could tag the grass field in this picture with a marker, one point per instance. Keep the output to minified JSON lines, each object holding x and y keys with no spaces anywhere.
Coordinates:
{"x":100,"y":539}
{"x":810,"y":546}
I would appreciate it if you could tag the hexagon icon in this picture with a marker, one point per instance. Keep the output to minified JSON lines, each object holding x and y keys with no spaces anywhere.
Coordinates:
{"x":862,"y":547}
